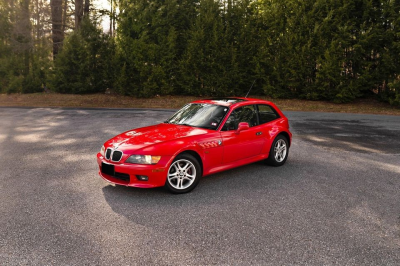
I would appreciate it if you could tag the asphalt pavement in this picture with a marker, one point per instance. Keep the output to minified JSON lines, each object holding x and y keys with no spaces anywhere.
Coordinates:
{"x":336,"y":201}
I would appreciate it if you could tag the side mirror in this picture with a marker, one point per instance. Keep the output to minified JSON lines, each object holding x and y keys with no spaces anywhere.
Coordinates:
{"x":242,"y":126}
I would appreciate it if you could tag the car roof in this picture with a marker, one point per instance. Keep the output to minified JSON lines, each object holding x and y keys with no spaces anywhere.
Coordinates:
{"x":229,"y":101}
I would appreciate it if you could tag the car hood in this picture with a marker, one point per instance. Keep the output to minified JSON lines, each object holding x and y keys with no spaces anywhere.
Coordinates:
{"x":139,"y":138}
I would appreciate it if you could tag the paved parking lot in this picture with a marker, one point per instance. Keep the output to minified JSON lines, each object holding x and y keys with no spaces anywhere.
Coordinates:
{"x":335,"y":201}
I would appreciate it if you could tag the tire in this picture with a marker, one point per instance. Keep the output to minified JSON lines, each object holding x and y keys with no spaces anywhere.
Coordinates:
{"x":183,"y":174}
{"x":279,"y":151}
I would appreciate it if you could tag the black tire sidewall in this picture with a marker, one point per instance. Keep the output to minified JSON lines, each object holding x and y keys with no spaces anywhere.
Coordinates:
{"x":196,"y":164}
{"x":271,"y":158}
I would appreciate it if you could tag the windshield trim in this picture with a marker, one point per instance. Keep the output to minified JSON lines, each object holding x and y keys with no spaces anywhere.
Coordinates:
{"x":221,"y":124}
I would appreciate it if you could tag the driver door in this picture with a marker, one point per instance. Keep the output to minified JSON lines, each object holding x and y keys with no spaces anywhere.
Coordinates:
{"x":245,"y":144}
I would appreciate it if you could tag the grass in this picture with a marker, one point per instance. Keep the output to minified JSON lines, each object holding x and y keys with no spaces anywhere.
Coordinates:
{"x":368,"y":106}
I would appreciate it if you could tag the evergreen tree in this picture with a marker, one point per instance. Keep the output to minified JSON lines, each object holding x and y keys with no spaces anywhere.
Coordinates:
{"x":335,"y":50}
{"x":85,"y":64}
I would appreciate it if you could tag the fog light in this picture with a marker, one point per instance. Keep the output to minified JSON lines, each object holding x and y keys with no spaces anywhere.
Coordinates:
{"x":142,"y":177}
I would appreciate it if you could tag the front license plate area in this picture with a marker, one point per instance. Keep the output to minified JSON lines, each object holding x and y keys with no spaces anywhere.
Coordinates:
{"x":107,"y":169}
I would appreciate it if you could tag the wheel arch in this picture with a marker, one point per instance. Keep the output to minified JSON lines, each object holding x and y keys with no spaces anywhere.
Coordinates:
{"x":195,"y":155}
{"x":286,"y":135}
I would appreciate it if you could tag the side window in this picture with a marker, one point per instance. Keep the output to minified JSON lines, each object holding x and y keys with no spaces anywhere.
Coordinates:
{"x":241,"y":114}
{"x":266,"y":114}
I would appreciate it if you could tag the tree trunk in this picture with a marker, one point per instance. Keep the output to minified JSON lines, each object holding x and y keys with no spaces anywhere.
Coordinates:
{"x":64,"y":18}
{"x":38,"y":26}
{"x":56,"y":20}
{"x":87,"y":8}
{"x":78,"y":13}
{"x":111,"y":19}
{"x":25,"y":34}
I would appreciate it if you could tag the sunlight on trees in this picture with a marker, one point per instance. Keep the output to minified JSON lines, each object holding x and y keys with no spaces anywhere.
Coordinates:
{"x":312,"y":49}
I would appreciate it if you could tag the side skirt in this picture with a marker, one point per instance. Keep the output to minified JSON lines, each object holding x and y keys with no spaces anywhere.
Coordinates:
{"x":236,"y":164}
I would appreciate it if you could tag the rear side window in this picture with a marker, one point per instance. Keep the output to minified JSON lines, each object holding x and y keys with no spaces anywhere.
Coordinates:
{"x":266,"y":113}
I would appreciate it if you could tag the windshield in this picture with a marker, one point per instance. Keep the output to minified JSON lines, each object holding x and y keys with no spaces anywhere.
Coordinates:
{"x":202,"y":115}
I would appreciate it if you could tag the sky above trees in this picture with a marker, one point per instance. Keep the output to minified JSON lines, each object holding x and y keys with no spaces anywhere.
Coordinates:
{"x":105,"y":20}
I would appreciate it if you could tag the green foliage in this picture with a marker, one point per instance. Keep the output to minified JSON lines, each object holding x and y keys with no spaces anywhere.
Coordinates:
{"x":32,"y":83}
{"x":152,"y":38}
{"x":334,"y":50}
{"x":15,"y":84}
{"x":393,"y":93}
{"x":84,"y":65}
{"x":23,"y":61}
{"x":14,"y":79}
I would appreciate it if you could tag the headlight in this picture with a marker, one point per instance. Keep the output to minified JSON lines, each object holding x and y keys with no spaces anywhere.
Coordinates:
{"x":102,"y":150}
{"x":143,"y":159}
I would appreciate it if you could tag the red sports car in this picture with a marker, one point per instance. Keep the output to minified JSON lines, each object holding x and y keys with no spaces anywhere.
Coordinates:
{"x":202,"y":138}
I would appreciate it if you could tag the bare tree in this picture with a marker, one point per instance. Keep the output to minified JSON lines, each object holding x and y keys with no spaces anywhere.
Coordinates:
{"x":78,"y":13}
{"x":57,"y":22}
{"x":22,"y":33}
{"x":111,"y":18}
{"x":87,"y":8}
{"x":64,"y":23}
{"x":113,"y":14}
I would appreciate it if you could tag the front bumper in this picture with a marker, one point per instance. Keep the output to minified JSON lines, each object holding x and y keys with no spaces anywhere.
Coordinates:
{"x":156,"y":173}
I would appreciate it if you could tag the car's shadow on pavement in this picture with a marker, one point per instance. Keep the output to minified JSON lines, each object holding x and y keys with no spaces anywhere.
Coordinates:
{"x":230,"y":190}
{"x":206,"y":184}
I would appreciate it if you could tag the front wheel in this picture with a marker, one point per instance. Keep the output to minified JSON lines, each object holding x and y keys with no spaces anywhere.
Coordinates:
{"x":183,"y":174}
{"x":279,"y":151}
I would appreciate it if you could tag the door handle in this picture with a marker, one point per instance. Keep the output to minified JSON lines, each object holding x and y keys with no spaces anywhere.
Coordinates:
{"x":258,"y":133}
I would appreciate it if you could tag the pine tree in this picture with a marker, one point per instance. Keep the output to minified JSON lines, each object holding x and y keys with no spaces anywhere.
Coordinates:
{"x":85,"y":64}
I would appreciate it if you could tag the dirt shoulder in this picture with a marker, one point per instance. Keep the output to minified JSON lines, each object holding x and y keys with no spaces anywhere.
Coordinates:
{"x":368,"y":106}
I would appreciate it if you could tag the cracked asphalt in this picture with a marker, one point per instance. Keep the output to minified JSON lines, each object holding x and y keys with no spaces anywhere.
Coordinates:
{"x":336,"y":201}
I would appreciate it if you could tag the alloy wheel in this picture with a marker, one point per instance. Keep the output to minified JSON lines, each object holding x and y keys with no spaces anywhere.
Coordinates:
{"x":181,"y":174}
{"x":280,"y":150}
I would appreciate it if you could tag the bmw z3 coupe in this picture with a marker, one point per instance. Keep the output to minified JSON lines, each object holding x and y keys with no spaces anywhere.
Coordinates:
{"x":202,"y":138}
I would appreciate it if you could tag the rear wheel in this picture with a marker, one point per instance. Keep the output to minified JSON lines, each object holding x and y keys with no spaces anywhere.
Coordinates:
{"x":279,"y":151}
{"x":183,"y":174}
